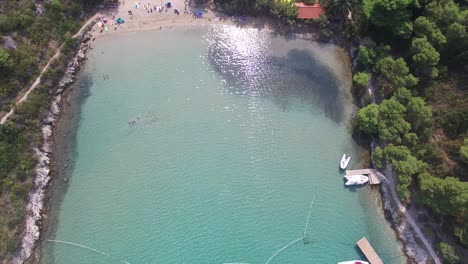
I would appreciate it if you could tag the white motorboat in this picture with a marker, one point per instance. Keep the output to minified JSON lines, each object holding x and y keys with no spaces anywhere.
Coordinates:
{"x":356,"y":180}
{"x":344,"y":161}
{"x":354,"y":262}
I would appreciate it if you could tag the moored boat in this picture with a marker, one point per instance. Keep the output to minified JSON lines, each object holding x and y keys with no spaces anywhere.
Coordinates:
{"x":344,"y":161}
{"x":356,"y":180}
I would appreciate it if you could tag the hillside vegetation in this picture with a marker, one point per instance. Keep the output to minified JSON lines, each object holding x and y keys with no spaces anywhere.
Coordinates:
{"x":30,"y":33}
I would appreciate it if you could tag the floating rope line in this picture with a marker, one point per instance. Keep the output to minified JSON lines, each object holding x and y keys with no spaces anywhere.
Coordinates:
{"x":85,"y":247}
{"x":283,"y":248}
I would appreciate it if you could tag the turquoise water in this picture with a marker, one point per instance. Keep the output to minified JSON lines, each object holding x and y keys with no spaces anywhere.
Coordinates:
{"x":236,"y":130}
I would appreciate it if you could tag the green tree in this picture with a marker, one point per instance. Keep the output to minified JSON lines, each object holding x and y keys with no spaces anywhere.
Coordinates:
{"x":464,"y":151}
{"x":419,"y":114}
{"x":461,"y":232}
{"x":366,"y":56}
{"x":9,"y":142}
{"x":392,"y":125}
{"x":403,"y":95}
{"x":423,"y":27}
{"x":393,"y":74}
{"x":6,"y":63}
{"x":339,"y":9}
{"x":368,"y":119}
{"x":362,"y":79}
{"x":425,"y":58}
{"x":410,"y":140}
{"x":448,"y":196}
{"x":378,"y":157}
{"x":443,"y":12}
{"x":405,"y":165}
{"x":399,"y":23}
{"x":448,"y":253}
{"x":369,"y":53}
{"x":455,"y":32}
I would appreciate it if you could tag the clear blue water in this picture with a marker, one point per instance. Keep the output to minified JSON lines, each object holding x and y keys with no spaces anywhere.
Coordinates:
{"x":236,"y":130}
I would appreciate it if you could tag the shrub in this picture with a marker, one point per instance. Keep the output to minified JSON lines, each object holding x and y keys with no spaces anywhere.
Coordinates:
{"x":448,"y":253}
{"x":464,"y":151}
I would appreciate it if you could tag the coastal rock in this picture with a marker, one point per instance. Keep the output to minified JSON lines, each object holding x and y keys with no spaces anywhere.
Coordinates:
{"x":39,"y":9}
{"x":87,"y":38}
{"x":55,"y":109}
{"x":46,"y":148}
{"x":81,"y":55}
{"x":59,"y":91}
{"x":47,"y":130}
{"x":49,"y":120}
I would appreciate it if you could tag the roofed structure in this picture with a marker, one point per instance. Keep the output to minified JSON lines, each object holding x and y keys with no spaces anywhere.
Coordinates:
{"x":309,"y":11}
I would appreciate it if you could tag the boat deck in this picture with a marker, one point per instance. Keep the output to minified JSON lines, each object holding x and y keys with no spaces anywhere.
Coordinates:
{"x":369,"y":251}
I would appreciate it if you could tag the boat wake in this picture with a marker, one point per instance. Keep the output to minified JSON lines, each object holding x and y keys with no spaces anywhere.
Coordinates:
{"x":88,"y":248}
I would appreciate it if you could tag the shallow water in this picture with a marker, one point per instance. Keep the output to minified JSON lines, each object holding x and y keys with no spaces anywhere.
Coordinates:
{"x":235,"y":131}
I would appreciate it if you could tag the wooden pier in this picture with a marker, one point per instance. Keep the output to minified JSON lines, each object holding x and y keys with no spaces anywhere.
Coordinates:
{"x":368,"y":251}
{"x":375,"y":177}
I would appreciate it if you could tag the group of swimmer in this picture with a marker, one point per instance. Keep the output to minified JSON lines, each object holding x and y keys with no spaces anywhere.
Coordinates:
{"x":141,"y":121}
{"x":134,"y":122}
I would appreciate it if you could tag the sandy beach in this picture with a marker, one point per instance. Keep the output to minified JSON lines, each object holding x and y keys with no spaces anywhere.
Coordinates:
{"x":143,"y":18}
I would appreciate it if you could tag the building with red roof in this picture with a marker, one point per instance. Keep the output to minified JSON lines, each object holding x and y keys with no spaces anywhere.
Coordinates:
{"x":309,"y":11}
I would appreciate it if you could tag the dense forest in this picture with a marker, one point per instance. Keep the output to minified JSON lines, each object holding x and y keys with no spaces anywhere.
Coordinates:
{"x":411,"y":77}
{"x":415,"y":61}
{"x":30,"y":34}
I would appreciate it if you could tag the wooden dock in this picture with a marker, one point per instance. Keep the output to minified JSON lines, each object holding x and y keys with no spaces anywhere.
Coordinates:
{"x":375,"y":177}
{"x":368,"y":251}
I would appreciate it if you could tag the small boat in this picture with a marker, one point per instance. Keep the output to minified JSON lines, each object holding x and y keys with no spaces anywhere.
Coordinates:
{"x":344,"y":161}
{"x":354,"y":262}
{"x":356,"y":180}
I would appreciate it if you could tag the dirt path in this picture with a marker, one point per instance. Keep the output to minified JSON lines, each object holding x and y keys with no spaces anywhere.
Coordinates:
{"x":413,"y":224}
{"x":38,"y":79}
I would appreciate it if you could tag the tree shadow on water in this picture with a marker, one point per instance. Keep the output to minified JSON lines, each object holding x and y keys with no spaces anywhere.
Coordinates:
{"x":286,"y":79}
{"x":304,"y":77}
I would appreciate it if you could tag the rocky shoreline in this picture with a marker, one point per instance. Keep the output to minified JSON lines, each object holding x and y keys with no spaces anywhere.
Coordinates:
{"x":35,"y":219}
